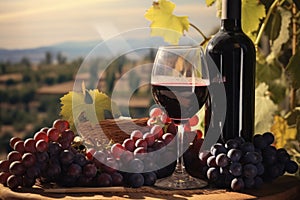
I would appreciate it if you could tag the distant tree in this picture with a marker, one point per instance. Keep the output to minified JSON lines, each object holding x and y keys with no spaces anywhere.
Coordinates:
{"x":134,"y":81}
{"x":93,"y":75}
{"x":26,"y":62}
{"x":2,"y":68}
{"x":61,"y":59}
{"x":48,"y":58}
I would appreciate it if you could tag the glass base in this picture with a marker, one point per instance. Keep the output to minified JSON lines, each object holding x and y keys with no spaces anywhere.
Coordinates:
{"x":180,"y":181}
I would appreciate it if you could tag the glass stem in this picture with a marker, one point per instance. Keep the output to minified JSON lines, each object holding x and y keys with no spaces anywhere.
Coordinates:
{"x":180,"y":163}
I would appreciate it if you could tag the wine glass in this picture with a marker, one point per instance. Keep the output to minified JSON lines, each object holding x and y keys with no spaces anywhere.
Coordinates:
{"x":179,"y":83}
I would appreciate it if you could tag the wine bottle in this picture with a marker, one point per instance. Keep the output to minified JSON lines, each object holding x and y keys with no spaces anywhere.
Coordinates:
{"x":233,"y":59}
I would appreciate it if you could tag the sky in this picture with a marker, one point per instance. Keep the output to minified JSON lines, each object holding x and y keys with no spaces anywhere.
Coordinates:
{"x":36,"y":23}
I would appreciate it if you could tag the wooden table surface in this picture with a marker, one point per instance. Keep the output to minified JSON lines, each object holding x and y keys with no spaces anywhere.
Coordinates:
{"x":283,"y":188}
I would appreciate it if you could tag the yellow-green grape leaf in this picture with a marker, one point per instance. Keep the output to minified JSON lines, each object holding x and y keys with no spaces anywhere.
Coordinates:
{"x":293,"y":70}
{"x":264,"y":109}
{"x":209,"y":2}
{"x":282,"y":132}
{"x":164,"y":23}
{"x":283,"y":37}
{"x":252,"y":13}
{"x":74,"y":104}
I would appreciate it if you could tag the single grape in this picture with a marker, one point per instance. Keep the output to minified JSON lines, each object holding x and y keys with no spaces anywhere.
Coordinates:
{"x":217,"y":149}
{"x":236,"y":169}
{"x":84,"y":181}
{"x":171,"y":128}
{"x":237,"y":184}
{"x":64,"y":142}
{"x":141,"y":143}
{"x":140,"y":152}
{"x":136,"y":165}
{"x":17,"y":168}
{"x":53,"y":134}
{"x":29,"y":145}
{"x":167,"y":138}
{"x":151,"y":121}
{"x":41,"y":146}
{"x":155,"y":112}
{"x":126,"y":157}
{"x":117,"y":179}
{"x":291,"y":167}
{"x":259,"y":141}
{"x":149,"y":178}
{"x":33,"y":172}
{"x":14,"y":156}
{"x":282,"y":155}
{"x":4,"y":165}
{"x":211,"y":161}
{"x":66,"y":157}
{"x":89,"y":170}
{"x":61,"y":125}
{"x":53,"y":170}
{"x":81,"y":160}
{"x":68,"y":135}
{"x":247,"y":147}
{"x":19,"y":146}
{"x":231,"y":144}
{"x":164,"y":118}
{"x":252,"y":157}
{"x":117,"y":149}
{"x":157,"y":131}
{"x":104,"y":180}
{"x":135,"y":180}
{"x":249,"y":171}
{"x":234,"y":155}
{"x":204,"y":155}
{"x":129,"y":144}
{"x":158,"y":144}
{"x":28,"y":159}
{"x":13,"y":141}
{"x":213,"y":173}
{"x":240,"y":140}
{"x":268,"y":137}
{"x":3,"y":177}
{"x":269,"y":155}
{"x":54,"y":148}
{"x":74,"y":170}
{"x":166,"y":171}
{"x":41,"y":136}
{"x":149,"y":138}
{"x":135,"y":135}
{"x":260,"y":168}
{"x":222,"y":160}
{"x":14,"y":181}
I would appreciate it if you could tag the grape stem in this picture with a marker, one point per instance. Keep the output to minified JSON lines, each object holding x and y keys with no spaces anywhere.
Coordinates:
{"x":201,"y":33}
{"x":263,"y":26}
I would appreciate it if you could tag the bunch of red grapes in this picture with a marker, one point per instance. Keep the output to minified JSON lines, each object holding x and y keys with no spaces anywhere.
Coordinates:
{"x":53,"y":156}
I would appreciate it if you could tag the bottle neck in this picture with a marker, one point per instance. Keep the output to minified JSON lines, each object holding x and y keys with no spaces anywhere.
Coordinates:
{"x":231,"y":25}
{"x":231,"y":15}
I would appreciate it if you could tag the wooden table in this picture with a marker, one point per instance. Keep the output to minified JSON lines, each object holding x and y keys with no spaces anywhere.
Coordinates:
{"x":285,"y":187}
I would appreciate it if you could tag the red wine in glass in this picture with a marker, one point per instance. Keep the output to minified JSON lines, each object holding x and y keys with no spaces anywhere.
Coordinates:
{"x":181,"y":100}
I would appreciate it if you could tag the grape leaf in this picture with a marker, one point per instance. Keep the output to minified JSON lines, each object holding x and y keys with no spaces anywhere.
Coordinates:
{"x":283,"y":36}
{"x":264,"y":109}
{"x":266,"y":72}
{"x":164,"y":23}
{"x":74,"y":104}
{"x":252,"y":13}
{"x":209,"y":2}
{"x":293,"y":70}
{"x":273,"y":26}
{"x":282,"y":131}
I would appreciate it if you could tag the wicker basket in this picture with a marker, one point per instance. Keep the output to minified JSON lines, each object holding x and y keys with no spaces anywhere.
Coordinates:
{"x":116,"y":130}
